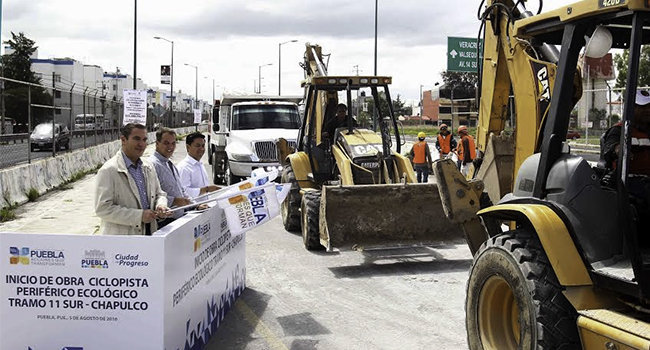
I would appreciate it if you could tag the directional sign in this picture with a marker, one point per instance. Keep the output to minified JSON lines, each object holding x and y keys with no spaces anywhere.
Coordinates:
{"x":461,"y":54}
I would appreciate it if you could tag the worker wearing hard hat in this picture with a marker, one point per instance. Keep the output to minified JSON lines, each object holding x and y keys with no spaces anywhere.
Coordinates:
{"x":466,"y":149}
{"x":445,"y":142}
{"x":421,"y":157}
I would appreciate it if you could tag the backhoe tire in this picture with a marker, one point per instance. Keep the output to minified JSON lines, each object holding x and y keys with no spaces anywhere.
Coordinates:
{"x":310,"y":212}
{"x":290,"y":207}
{"x":514,"y":300}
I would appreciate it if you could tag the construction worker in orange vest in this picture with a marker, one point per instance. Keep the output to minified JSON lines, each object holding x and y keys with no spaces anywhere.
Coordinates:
{"x":466,"y":149}
{"x":445,"y":143}
{"x":421,"y":157}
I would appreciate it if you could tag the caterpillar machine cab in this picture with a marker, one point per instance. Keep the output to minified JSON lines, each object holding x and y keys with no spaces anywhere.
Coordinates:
{"x":351,"y":186}
{"x":562,"y":247}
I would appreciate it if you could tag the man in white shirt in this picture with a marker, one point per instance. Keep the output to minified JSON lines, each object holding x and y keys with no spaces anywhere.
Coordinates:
{"x":194,"y":178}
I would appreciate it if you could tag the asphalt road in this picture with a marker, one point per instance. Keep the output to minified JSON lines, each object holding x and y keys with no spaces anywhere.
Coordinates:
{"x":406,"y":298}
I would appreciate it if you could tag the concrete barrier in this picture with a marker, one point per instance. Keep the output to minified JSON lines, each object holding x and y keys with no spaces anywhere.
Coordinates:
{"x":49,"y":173}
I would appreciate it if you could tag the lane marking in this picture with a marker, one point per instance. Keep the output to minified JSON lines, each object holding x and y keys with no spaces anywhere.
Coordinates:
{"x":259,"y":326}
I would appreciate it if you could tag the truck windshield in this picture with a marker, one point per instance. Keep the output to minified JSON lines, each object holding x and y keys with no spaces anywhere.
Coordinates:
{"x":265,"y":117}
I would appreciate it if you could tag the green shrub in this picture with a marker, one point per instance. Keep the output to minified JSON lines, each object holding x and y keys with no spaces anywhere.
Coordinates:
{"x":7,"y":214}
{"x":33,"y":194}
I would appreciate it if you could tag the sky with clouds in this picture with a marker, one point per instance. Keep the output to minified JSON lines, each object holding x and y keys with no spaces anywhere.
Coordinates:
{"x":229,"y":39}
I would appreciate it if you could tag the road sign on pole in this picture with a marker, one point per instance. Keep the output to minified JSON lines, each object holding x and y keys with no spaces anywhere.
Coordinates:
{"x":461,"y":54}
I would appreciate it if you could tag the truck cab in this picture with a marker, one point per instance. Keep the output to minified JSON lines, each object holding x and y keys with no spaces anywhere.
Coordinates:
{"x":244,"y":131}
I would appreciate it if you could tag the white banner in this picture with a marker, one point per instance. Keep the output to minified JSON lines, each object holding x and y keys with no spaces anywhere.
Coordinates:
{"x":135,"y":107}
{"x":253,"y":207}
{"x":197,"y":116}
{"x":168,"y":291}
{"x":72,"y":291}
{"x":204,"y":279}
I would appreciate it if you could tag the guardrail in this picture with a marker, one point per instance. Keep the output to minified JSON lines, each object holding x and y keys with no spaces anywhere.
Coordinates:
{"x":7,"y":138}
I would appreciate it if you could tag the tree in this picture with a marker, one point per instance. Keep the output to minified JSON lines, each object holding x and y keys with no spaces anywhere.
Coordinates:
{"x":596,"y":115}
{"x":621,"y":62}
{"x":365,"y":117}
{"x":400,"y":108}
{"x":17,"y":66}
{"x":463,"y":84}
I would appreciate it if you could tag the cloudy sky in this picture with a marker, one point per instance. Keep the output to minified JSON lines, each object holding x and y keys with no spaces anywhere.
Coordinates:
{"x":229,"y":39}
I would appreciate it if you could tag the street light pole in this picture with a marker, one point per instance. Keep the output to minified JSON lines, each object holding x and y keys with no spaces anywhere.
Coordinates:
{"x":376,"y":37}
{"x":196,"y":84}
{"x":259,"y":77}
{"x":421,"y":105}
{"x":280,"y":64}
{"x":171,"y":73}
{"x":213,"y":86}
{"x":135,"y":42}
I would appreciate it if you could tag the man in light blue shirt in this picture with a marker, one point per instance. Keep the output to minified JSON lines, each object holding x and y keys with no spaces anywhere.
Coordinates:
{"x":168,"y":175}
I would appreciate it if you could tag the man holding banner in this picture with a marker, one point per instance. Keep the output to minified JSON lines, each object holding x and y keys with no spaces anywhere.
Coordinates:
{"x":168,"y":175}
{"x":194,"y":178}
{"x":128,"y":197}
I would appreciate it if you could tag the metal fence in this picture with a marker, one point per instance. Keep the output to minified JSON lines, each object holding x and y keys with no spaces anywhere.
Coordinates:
{"x":37,"y":121}
{"x":597,"y":110}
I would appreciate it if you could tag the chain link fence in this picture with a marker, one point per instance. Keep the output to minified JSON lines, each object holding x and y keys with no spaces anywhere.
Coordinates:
{"x":37,"y":121}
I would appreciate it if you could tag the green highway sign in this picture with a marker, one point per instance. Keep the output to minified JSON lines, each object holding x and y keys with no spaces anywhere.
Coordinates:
{"x":461,"y":54}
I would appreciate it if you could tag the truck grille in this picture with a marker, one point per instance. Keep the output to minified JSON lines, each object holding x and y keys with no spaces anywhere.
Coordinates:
{"x":266,"y":151}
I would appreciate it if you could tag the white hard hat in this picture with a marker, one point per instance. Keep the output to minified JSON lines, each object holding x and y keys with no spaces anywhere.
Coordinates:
{"x":642,"y":97}
{"x":599,"y":43}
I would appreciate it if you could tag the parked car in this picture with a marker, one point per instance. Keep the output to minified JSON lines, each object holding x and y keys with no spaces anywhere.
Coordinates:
{"x":41,"y":137}
{"x":572,"y":135}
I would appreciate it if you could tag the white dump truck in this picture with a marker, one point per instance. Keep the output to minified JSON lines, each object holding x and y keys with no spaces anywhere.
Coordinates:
{"x":243,"y":134}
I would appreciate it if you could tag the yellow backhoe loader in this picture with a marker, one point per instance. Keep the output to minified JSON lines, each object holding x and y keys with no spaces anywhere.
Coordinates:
{"x":350,"y":188}
{"x":561,"y":248}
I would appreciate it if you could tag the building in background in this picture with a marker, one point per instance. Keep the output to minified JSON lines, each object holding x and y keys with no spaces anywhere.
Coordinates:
{"x":598,"y":102}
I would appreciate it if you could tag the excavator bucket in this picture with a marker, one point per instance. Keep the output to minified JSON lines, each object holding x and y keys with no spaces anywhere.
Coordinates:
{"x":363,"y":216}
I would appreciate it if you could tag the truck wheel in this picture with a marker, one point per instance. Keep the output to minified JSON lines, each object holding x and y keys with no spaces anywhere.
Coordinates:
{"x":290,"y":207}
{"x":310,"y":212}
{"x":229,"y":178}
{"x":216,"y":174}
{"x":514,"y":299}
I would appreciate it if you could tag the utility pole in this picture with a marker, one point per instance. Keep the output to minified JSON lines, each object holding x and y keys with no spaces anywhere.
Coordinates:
{"x":356,"y":67}
{"x":376,"y":37}
{"x":53,"y":112}
{"x":421,"y":106}
{"x":135,"y":42}
{"x":280,"y":64}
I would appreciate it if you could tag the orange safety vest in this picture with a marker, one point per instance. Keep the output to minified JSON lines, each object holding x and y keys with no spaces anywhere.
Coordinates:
{"x":445,"y":143}
{"x":419,"y":152}
{"x":472,"y":148}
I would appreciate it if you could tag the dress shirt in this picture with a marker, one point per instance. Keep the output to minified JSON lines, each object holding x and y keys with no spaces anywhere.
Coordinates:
{"x":135,"y":169}
{"x":193,"y":176}
{"x":169,"y":178}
